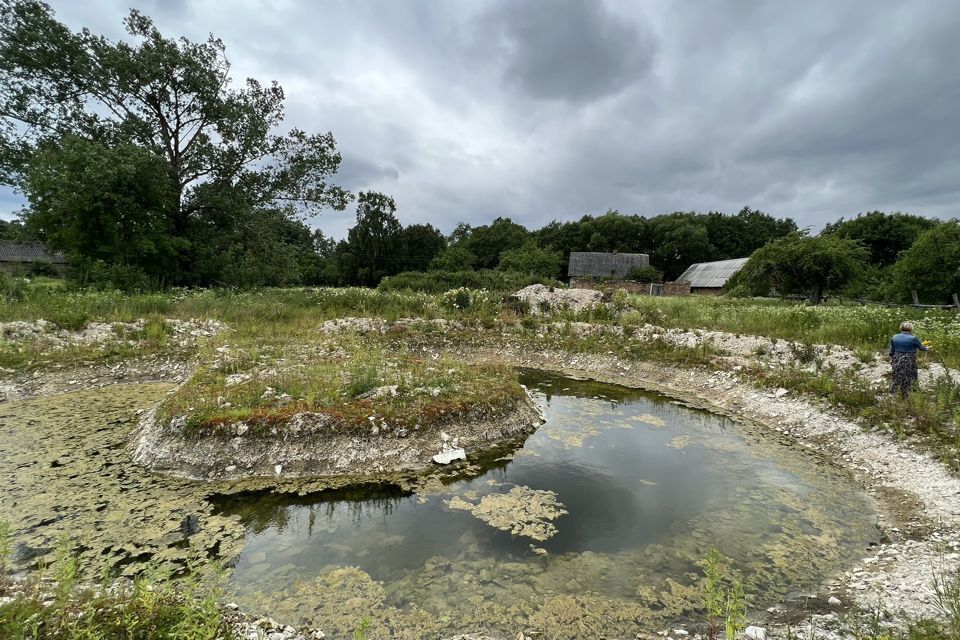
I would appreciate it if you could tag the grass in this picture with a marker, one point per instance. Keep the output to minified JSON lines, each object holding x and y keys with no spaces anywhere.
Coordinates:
{"x":264,"y":383}
{"x":867,"y":328}
{"x":54,"y":605}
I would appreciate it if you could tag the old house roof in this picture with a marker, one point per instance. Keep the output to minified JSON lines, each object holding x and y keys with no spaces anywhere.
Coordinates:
{"x":28,"y":252}
{"x":711,"y":275}
{"x":598,"y":265}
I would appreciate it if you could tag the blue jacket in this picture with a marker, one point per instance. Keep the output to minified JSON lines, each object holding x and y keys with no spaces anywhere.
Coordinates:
{"x":905,"y":343}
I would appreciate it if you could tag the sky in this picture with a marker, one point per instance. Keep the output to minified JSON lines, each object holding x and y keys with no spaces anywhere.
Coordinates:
{"x":551,"y":109}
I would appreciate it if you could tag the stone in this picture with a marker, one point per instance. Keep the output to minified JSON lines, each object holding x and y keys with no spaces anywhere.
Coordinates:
{"x":278,"y":469}
{"x":780,"y":392}
{"x":448,"y":456}
{"x":834,"y":601}
{"x":755,"y":633}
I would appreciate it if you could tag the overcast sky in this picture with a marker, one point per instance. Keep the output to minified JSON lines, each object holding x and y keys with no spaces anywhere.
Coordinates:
{"x":551,"y":109}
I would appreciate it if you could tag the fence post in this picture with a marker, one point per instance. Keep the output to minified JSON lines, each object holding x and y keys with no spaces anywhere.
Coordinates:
{"x":956,"y":301}
{"x":916,"y":300}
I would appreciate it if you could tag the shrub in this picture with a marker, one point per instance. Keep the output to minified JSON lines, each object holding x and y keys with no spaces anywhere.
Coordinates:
{"x":645,"y":274}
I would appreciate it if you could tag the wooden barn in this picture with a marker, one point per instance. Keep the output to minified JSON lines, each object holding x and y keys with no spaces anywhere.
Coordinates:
{"x":26,"y":258}
{"x":710,"y":277}
{"x":592,"y":265}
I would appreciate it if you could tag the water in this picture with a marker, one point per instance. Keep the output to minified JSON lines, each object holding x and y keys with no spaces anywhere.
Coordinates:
{"x":649,"y":487}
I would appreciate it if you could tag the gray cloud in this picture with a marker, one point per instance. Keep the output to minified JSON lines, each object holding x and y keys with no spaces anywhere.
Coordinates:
{"x":573,"y":50}
{"x":537,"y":110}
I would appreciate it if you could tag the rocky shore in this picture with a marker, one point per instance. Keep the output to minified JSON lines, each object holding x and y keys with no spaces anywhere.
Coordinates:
{"x":308,"y":445}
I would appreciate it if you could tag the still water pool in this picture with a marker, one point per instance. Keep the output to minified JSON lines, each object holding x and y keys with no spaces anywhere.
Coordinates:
{"x":648,"y":487}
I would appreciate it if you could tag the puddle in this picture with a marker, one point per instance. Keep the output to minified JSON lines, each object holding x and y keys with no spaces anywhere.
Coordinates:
{"x":595,"y":527}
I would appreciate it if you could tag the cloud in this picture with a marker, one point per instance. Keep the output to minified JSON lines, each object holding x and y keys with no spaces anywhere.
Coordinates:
{"x":466,"y":110}
{"x":574,"y":50}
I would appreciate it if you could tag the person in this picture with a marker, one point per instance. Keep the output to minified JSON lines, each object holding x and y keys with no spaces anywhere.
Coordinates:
{"x":903,"y":358}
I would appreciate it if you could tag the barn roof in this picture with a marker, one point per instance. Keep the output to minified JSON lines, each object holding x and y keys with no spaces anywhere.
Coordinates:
{"x":587,"y":263}
{"x":28,"y":252}
{"x":711,"y":274}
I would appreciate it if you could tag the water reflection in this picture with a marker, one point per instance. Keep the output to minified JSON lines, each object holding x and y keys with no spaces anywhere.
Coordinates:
{"x":649,"y":486}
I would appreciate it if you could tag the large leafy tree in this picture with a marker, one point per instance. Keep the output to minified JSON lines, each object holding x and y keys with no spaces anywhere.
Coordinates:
{"x":800,"y":263}
{"x":931,"y":267}
{"x":101,"y":203}
{"x":488,"y":242}
{"x":417,"y":246}
{"x":886,"y":235}
{"x":173,"y":98}
{"x":531,"y":259}
{"x":370,"y":250}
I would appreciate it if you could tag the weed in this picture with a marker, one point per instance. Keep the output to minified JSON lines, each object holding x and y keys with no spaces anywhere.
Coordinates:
{"x":363,"y":375}
{"x":804,"y":352}
{"x":360,"y":633}
{"x":724,"y":597}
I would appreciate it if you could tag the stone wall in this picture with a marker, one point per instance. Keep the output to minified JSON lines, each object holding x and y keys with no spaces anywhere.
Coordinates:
{"x":609,"y":286}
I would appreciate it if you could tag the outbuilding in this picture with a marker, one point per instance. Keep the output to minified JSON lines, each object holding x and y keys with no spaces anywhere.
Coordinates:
{"x":27,"y":258}
{"x":710,"y":277}
{"x":594,"y":265}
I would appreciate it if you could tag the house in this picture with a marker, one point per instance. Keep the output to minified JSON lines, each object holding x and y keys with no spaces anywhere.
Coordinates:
{"x":588,"y":265}
{"x":710,"y":277}
{"x":27,"y":258}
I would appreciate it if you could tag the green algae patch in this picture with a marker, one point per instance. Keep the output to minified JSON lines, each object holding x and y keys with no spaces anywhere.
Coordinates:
{"x":355,"y":383}
{"x":522,"y":511}
{"x":66,"y":472}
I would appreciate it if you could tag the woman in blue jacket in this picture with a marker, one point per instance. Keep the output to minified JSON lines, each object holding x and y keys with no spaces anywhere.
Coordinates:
{"x":903,"y":358}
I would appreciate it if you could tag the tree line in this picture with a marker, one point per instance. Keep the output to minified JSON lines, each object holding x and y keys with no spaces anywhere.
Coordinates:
{"x":145,"y":163}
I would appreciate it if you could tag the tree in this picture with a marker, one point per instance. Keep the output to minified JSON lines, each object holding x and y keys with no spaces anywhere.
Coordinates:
{"x":370,"y":250}
{"x":417,"y":246}
{"x":454,"y":258}
{"x":679,"y":240}
{"x":886,"y":235}
{"x":103,"y":204}
{"x":172,"y":98}
{"x":800,"y":263}
{"x":531,"y":259}
{"x":15,"y":231}
{"x":489,"y":241}
{"x":931,"y":266}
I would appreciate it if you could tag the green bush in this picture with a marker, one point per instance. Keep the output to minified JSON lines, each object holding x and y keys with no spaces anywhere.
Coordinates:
{"x":645,"y":274}
{"x":443,"y":281}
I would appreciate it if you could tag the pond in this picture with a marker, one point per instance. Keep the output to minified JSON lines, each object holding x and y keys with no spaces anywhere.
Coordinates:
{"x":596,"y":525}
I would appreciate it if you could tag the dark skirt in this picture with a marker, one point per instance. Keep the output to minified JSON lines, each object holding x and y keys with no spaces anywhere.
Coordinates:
{"x":904,"y":372}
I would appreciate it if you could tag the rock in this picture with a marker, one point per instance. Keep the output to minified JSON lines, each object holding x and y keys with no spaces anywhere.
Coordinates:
{"x":231,"y":468}
{"x":448,"y":456}
{"x":780,"y":392}
{"x":834,"y":601}
{"x":242,"y":428}
{"x":278,"y":469}
{"x":755,"y":633}
{"x":386,"y":391}
{"x":681,"y":632}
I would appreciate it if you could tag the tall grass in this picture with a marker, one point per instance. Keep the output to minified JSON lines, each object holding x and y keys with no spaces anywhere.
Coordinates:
{"x":153,"y":607}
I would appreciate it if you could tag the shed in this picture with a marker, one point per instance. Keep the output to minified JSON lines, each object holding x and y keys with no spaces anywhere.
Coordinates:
{"x":590,"y":264}
{"x":710,"y":277}
{"x":18,"y":257}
